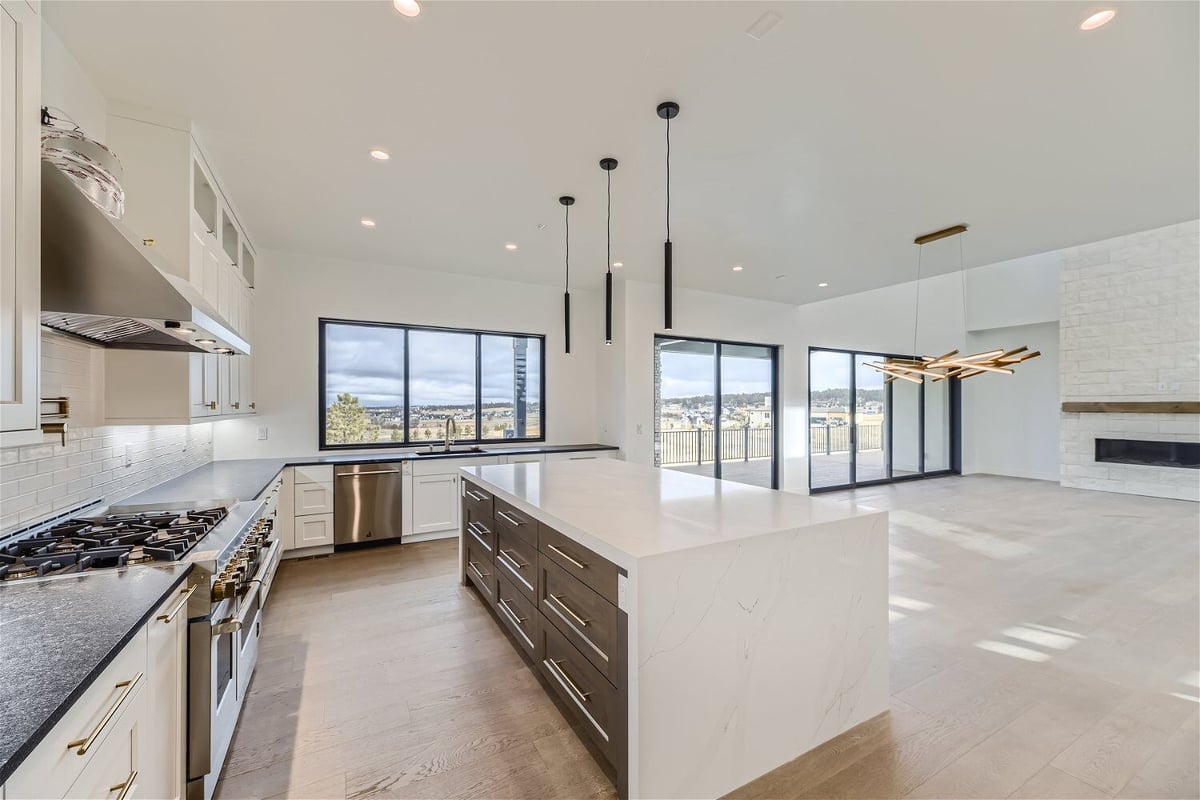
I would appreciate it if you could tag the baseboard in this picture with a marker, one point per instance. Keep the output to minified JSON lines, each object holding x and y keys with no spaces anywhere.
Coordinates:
{"x":1014,"y":473}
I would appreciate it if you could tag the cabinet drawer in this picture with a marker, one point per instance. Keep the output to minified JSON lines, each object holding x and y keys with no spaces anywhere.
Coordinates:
{"x":580,"y":562}
{"x":314,"y":473}
{"x":516,"y":559}
{"x":478,"y":500}
{"x":313,"y":498}
{"x":588,"y":696}
{"x":520,"y":523}
{"x":480,"y":571}
{"x":314,"y":530}
{"x":585,"y":618}
{"x":53,"y":767}
{"x":479,"y":528}
{"x":519,"y":615}
{"x":116,"y":766}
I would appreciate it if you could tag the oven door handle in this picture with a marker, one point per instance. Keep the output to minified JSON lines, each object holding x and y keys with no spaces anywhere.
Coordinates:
{"x":235,"y":623}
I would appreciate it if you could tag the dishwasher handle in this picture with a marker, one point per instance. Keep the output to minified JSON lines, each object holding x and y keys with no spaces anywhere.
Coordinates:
{"x":372,"y":472}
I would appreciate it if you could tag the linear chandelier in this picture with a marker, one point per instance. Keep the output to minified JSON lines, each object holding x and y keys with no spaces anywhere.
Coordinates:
{"x":948,"y":365}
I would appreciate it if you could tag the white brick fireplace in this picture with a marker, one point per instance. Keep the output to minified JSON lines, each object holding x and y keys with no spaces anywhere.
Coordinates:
{"x":1130,"y":331}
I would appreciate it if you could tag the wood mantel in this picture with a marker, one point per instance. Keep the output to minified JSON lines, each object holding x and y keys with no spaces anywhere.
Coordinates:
{"x":1134,"y":407}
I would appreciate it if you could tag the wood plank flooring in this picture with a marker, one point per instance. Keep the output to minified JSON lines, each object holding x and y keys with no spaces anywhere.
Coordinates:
{"x":1044,"y":645}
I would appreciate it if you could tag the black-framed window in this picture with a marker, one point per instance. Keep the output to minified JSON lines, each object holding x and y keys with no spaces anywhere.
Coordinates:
{"x":384,"y":384}
{"x":866,"y":430}
{"x":716,"y":409}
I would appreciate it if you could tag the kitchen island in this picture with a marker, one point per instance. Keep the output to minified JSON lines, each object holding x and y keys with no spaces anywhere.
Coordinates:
{"x":699,"y":632}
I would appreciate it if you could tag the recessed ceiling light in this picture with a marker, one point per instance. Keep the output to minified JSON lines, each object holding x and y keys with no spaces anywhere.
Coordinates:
{"x":408,"y":8}
{"x":737,"y":267}
{"x":780,"y":277}
{"x":367,"y":222}
{"x":618,"y":264}
{"x":380,"y":154}
{"x":510,"y":245}
{"x":822,"y":285}
{"x":1096,"y":20}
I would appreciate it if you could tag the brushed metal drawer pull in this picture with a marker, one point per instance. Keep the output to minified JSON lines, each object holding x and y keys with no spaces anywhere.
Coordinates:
{"x":556,"y":667}
{"x":125,"y":787}
{"x":578,"y":564}
{"x":478,"y":528}
{"x":509,"y":518}
{"x":511,"y":614}
{"x":170,"y":615}
{"x":482,"y":575}
{"x":85,"y":744}
{"x":515,"y":561}
{"x":558,"y":600}
{"x":478,"y":497}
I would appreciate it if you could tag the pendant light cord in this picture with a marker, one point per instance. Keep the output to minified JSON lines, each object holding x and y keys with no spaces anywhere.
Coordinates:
{"x":917,"y":309}
{"x":668,"y":179}
{"x":608,"y":235}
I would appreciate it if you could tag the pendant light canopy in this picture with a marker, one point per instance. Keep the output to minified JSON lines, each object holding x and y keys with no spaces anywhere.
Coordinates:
{"x":567,"y":201}
{"x":608,"y":165}
{"x":949,"y":365}
{"x":668,"y":111}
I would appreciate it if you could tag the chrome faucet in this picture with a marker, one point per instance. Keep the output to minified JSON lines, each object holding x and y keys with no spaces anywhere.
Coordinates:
{"x":451,"y":432}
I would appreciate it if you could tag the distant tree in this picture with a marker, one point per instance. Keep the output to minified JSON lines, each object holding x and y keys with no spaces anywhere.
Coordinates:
{"x":397,"y":436}
{"x":346,"y":422}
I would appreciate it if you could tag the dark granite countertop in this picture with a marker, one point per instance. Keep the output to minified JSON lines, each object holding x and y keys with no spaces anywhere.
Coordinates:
{"x":245,"y":479}
{"x":57,"y":635}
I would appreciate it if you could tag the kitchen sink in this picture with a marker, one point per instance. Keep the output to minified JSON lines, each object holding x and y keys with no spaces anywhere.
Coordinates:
{"x":452,"y":451}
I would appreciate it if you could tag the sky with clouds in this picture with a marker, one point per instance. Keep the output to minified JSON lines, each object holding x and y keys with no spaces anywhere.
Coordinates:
{"x":368,"y":362}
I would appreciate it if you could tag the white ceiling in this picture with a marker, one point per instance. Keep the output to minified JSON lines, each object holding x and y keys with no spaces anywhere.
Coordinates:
{"x":816,"y":153}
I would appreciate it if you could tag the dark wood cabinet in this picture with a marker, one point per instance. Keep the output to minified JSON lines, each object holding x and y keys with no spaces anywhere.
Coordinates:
{"x":557,"y":600}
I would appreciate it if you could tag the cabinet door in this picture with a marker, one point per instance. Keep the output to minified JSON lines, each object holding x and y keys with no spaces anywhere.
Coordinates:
{"x":314,"y":530}
{"x":212,"y":273}
{"x":230,"y":383}
{"x":162,"y":746}
{"x":212,"y":381}
{"x":20,"y":215}
{"x":225,"y":289}
{"x":313,"y":498}
{"x":247,"y":384}
{"x":115,"y":770}
{"x":435,"y":503}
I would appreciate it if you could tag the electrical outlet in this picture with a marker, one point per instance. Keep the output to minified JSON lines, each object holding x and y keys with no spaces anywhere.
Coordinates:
{"x":639,"y":429}
{"x":262,"y":433}
{"x":128,"y":455}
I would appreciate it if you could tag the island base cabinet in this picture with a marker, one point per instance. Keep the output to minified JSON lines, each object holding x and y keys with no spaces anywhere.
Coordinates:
{"x":592,"y":701}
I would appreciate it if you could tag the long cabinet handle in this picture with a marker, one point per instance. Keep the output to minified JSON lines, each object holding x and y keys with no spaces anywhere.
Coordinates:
{"x":555,"y":666}
{"x":482,"y":575}
{"x":509,"y":518}
{"x":516,"y":562}
{"x":477,"y":528}
{"x":371,"y":472}
{"x":479,"y":497}
{"x":170,"y":615}
{"x":126,"y":787}
{"x":578,"y":564}
{"x":85,"y":743}
{"x":511,"y":614}
{"x":558,"y":601}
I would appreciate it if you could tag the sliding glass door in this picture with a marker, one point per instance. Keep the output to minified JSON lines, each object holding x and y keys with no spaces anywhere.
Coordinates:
{"x":715,"y":409}
{"x":863,"y":430}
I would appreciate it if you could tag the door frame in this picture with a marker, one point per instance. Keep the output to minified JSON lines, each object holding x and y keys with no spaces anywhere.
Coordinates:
{"x":954,"y":433}
{"x":776,"y":420}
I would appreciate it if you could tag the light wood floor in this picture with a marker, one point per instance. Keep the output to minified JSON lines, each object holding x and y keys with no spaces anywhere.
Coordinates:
{"x":1044,"y":645}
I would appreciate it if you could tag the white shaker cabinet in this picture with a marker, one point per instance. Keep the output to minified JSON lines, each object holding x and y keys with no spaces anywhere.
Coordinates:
{"x":435,"y":503}
{"x":20,"y":215}
{"x":163,"y":772}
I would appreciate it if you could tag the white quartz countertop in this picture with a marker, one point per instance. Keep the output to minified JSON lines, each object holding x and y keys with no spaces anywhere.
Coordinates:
{"x":627,"y":512}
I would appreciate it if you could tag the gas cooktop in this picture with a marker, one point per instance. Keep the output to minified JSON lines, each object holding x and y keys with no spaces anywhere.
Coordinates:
{"x":115,"y":540}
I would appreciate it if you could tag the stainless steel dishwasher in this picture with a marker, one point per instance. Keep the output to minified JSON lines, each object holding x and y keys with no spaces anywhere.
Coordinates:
{"x":366,"y":503}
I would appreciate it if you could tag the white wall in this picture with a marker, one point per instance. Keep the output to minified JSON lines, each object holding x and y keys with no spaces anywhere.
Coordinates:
{"x":293,"y":291}
{"x":65,"y":86}
{"x":1012,"y":420}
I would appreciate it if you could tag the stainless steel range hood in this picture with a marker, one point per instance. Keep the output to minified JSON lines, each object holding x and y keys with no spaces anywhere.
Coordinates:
{"x":101,"y":282}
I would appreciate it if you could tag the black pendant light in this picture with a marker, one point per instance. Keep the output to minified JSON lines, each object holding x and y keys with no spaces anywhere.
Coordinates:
{"x":608,"y":165}
{"x":668,"y":111}
{"x":567,"y":201}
